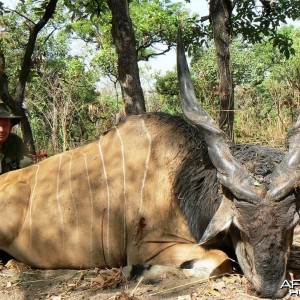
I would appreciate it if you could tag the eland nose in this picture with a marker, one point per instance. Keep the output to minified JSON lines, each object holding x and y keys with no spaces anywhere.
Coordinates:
{"x":273,"y":292}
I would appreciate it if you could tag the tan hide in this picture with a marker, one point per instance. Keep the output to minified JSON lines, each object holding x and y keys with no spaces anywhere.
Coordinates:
{"x":106,"y":204}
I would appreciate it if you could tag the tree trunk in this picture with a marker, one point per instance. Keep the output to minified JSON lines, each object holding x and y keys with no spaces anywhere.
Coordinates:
{"x":128,"y":71}
{"x":15,"y":103}
{"x":27,"y":133}
{"x":15,"y":106}
{"x":220,"y":18}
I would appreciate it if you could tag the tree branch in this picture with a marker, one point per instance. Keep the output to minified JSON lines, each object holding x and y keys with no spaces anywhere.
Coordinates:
{"x":18,"y":13}
{"x":148,"y":56}
{"x":4,"y":95}
{"x":25,"y":68}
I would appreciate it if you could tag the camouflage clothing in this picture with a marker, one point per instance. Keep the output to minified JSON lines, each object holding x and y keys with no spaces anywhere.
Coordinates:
{"x":13,"y":154}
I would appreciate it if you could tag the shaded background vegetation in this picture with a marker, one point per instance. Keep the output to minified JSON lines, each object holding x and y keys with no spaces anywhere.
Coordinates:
{"x":267,"y":88}
{"x":73,"y":90}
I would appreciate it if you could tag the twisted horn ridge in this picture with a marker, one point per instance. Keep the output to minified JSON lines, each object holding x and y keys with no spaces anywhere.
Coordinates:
{"x":230,"y":173}
{"x":286,"y":176}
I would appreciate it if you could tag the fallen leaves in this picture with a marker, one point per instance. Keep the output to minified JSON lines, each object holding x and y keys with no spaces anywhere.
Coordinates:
{"x":109,"y":278}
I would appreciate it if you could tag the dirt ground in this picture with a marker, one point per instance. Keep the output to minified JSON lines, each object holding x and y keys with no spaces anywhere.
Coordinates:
{"x":109,"y":284}
{"x":19,"y":282}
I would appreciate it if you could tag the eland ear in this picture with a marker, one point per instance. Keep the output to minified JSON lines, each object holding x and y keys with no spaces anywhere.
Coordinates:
{"x":221,"y":221}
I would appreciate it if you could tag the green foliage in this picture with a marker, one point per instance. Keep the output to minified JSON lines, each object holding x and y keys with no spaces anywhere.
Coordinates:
{"x":105,"y":62}
{"x":158,"y":25}
{"x":268,"y":99}
{"x":59,"y":102}
{"x":265,"y":61}
{"x":255,"y":22}
{"x":61,"y":93}
{"x":86,"y":9}
{"x":167,"y":88}
{"x":205,"y":81}
{"x":168,"y":84}
{"x":267,"y":88}
{"x":155,"y":32}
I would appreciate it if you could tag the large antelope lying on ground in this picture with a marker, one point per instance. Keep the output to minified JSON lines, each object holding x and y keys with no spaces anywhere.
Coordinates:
{"x":150,"y":190}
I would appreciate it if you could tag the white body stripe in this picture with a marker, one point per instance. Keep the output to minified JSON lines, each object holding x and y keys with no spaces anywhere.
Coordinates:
{"x":108,"y":200}
{"x":146,"y":164}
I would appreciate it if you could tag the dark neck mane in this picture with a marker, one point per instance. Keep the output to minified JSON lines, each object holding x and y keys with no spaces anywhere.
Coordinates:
{"x":196,"y":186}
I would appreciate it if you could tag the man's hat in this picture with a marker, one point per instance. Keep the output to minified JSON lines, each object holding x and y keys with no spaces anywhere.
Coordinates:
{"x":5,"y":113}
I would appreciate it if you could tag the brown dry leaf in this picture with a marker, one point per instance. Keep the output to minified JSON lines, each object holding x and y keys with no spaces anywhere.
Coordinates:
{"x":109,"y":278}
{"x":98,"y":280}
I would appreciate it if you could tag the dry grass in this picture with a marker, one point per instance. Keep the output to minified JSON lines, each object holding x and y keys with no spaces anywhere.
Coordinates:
{"x":271,"y":132}
{"x":264,"y":121}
